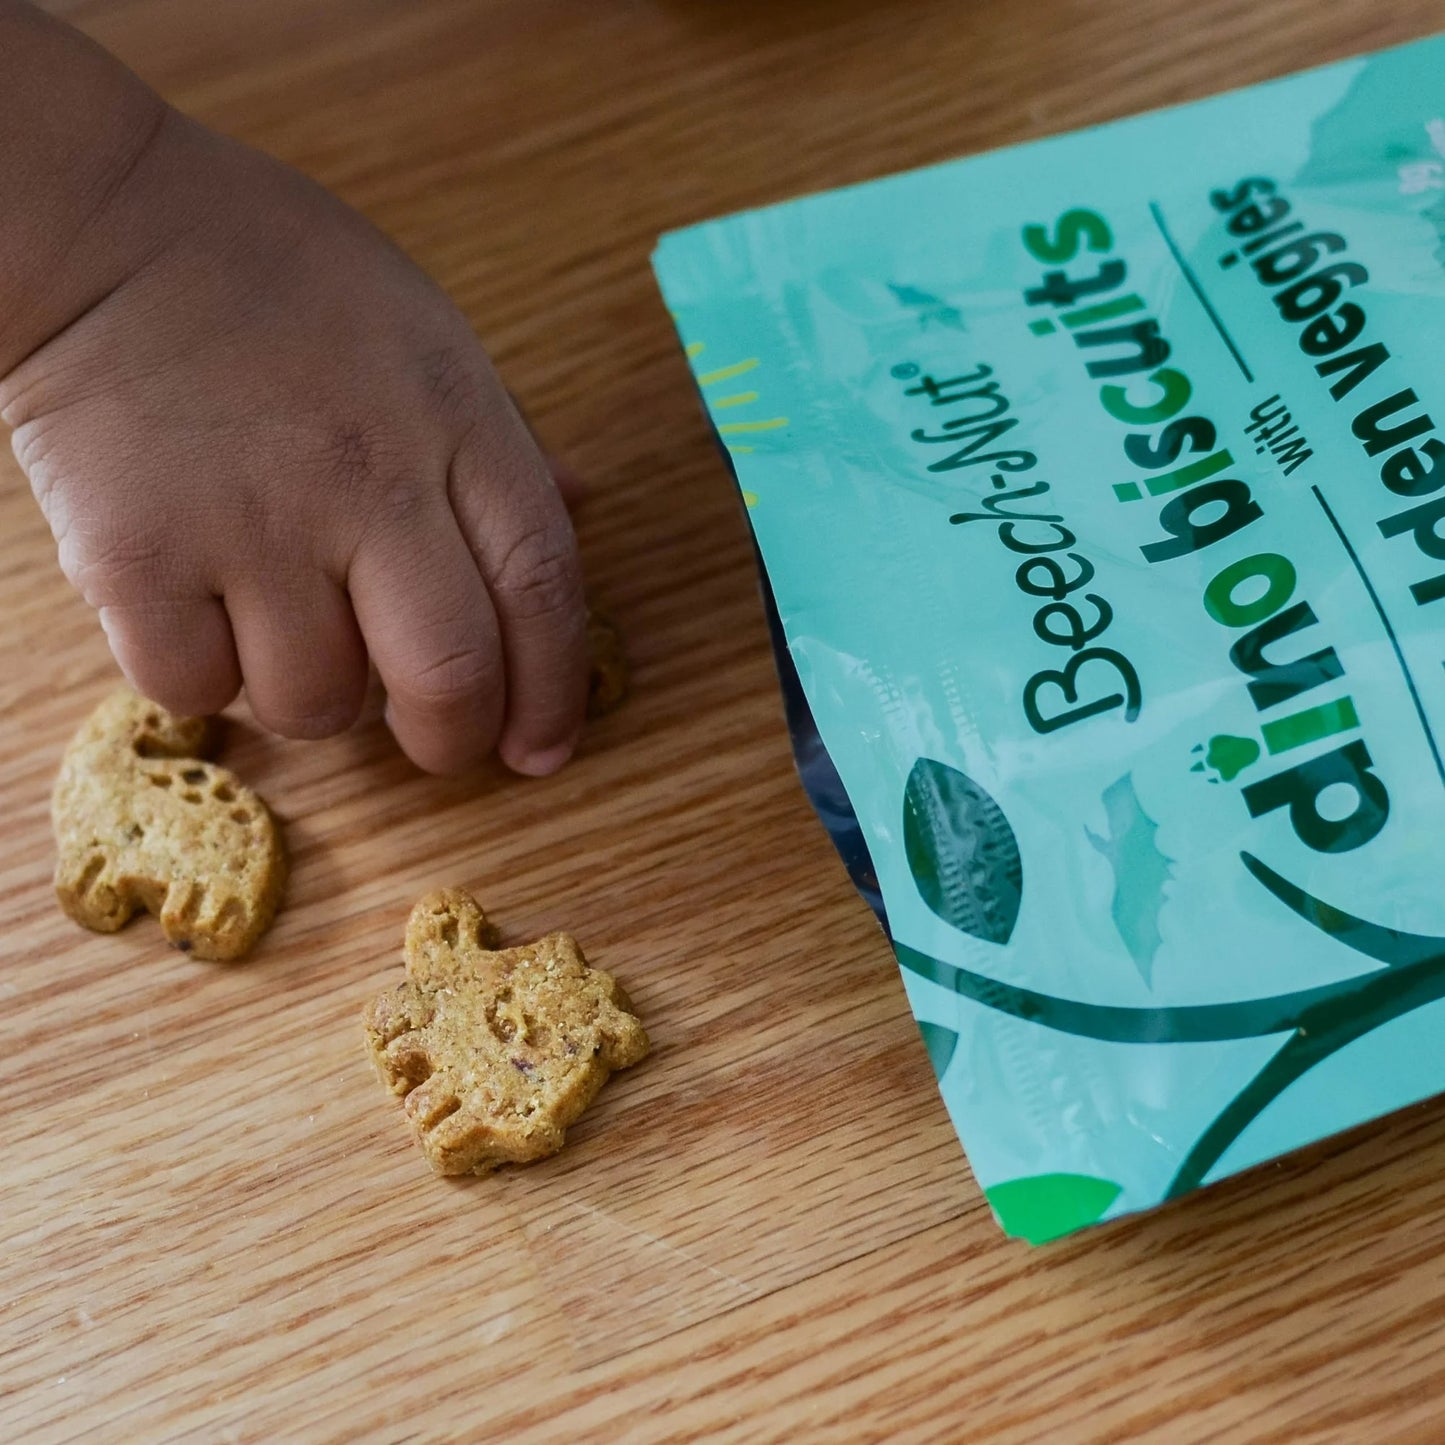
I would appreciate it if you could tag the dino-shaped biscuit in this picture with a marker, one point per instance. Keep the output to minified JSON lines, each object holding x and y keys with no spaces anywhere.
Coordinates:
{"x":142,"y":822}
{"x":496,"y":1052}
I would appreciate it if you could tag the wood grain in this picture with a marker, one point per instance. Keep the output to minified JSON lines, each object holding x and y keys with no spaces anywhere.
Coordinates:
{"x":214,"y":1227}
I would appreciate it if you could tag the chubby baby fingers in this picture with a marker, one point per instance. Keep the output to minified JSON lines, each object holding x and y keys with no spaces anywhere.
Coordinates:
{"x":432,"y":634}
{"x":516,"y":524}
{"x":177,"y":652}
{"x":301,"y":654}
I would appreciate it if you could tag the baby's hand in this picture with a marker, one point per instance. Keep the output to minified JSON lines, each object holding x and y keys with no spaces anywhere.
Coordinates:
{"x":275,"y":448}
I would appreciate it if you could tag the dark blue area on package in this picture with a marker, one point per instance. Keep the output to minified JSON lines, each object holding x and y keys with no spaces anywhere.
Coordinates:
{"x":815,"y":767}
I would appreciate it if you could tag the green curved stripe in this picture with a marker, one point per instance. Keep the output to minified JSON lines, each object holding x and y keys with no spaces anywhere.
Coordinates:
{"x":1187,"y":1024}
{"x":1415,"y":964}
{"x":1299,"y":1054}
{"x":1321,"y":1020}
{"x":1389,"y":946}
{"x":1323,"y":1030}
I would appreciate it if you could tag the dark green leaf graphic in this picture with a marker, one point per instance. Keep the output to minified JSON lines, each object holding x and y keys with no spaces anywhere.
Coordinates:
{"x":1045,"y":1206}
{"x":940,"y":1043}
{"x":961,"y":851}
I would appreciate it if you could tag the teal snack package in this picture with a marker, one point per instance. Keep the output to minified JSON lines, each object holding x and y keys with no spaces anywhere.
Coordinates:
{"x":1101,"y":502}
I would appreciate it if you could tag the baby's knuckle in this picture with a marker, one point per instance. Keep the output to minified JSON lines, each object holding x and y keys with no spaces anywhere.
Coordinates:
{"x":350,"y":454}
{"x":451,"y":680}
{"x":538,"y":575}
{"x":449,"y":376}
{"x":396,"y":505}
{"x":33,"y":445}
{"x":116,"y":566}
{"x":309,"y":718}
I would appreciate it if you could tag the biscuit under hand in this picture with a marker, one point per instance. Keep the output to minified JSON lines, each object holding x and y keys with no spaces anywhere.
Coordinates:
{"x":607,"y":678}
{"x":495,"y":1052}
{"x":142,"y":822}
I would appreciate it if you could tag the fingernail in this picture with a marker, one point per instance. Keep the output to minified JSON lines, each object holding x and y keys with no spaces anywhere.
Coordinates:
{"x":543,"y":764}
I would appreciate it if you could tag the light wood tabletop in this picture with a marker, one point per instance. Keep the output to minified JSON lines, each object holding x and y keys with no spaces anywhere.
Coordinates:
{"x":213,"y":1224}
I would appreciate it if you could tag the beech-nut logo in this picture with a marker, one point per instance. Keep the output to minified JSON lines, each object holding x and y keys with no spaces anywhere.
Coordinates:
{"x":965,"y":862}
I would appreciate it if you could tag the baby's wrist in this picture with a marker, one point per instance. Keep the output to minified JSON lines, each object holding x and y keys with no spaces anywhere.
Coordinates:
{"x":86,"y":133}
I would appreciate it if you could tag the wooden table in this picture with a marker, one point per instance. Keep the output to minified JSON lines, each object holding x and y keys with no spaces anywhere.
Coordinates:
{"x":214,"y":1226}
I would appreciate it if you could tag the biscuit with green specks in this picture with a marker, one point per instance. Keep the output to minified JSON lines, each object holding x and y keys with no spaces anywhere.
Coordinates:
{"x":495,"y":1052}
{"x":143,"y":821}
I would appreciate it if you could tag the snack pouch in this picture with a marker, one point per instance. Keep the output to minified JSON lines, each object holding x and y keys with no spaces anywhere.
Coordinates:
{"x":1101,"y":501}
